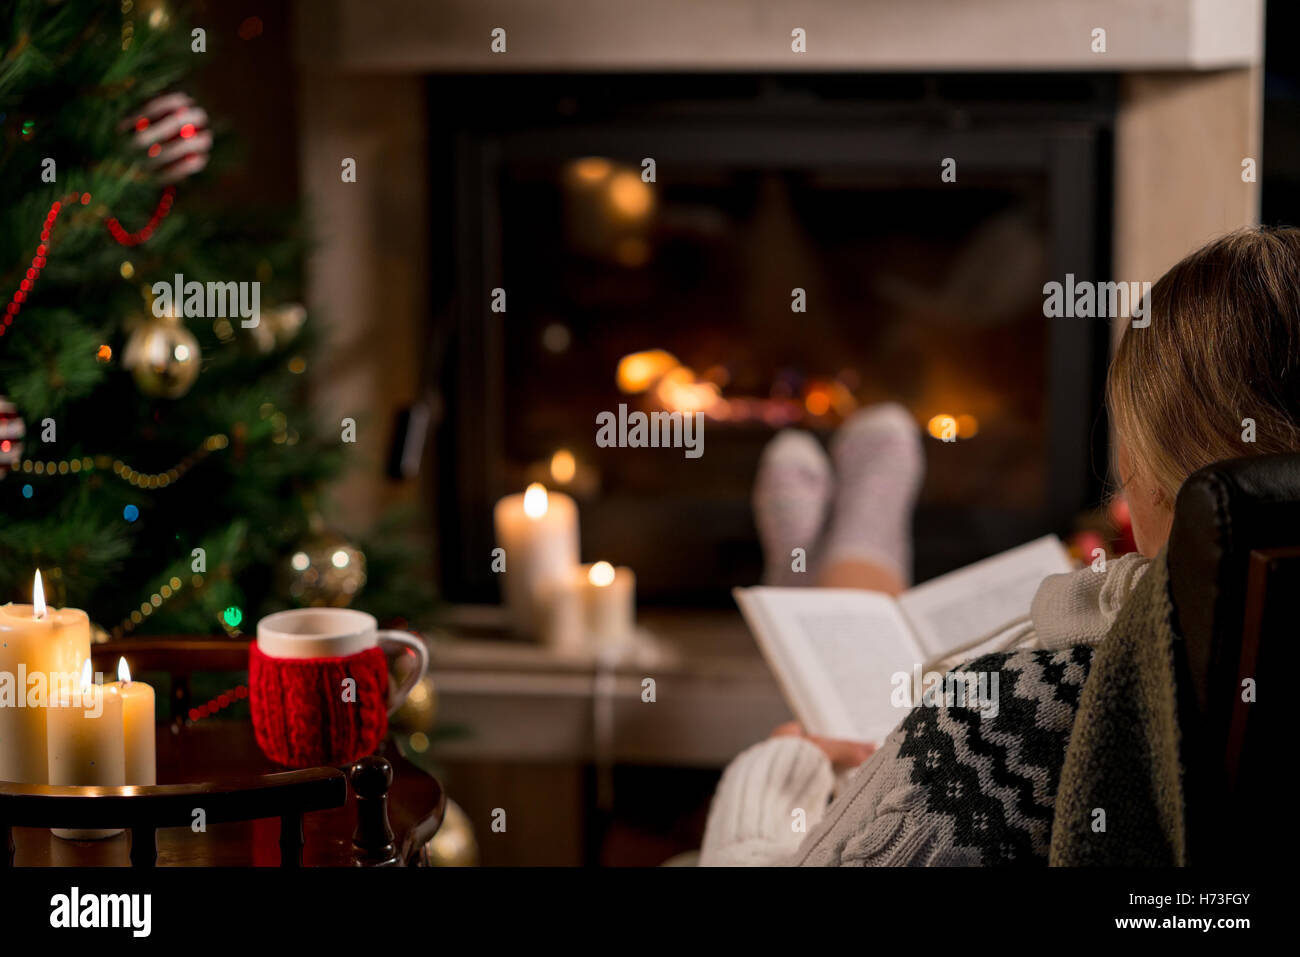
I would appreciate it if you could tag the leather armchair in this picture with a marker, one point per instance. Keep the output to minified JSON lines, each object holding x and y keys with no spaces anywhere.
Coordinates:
{"x":1234,"y":577}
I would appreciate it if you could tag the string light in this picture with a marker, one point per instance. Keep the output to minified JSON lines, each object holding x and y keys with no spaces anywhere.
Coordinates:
{"x":168,"y":591}
{"x":128,"y":23}
{"x":89,"y":463}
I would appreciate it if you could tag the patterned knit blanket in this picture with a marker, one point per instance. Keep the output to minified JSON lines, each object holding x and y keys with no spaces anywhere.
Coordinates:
{"x":964,"y":785}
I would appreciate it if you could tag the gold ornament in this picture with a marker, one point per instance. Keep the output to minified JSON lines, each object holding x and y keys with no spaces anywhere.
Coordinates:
{"x":155,"y":12}
{"x":327,"y":570}
{"x":420,"y":709}
{"x":278,"y":326}
{"x":454,"y":844}
{"x":163,"y":356}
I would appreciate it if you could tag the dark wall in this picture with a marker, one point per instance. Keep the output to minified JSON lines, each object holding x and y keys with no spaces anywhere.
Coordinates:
{"x":1280,"y":165}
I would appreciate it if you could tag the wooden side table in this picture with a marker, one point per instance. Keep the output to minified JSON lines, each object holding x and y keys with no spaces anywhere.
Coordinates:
{"x":217,"y":750}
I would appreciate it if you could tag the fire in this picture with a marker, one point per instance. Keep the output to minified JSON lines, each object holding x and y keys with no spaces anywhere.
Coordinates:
{"x":591,"y":169}
{"x":629,"y":196}
{"x":946,"y":427}
{"x":639,"y":371}
{"x":680,"y":391}
{"x":818,"y":400}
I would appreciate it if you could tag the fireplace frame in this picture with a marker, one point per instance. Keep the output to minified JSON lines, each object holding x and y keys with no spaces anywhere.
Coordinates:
{"x":1059,"y":126}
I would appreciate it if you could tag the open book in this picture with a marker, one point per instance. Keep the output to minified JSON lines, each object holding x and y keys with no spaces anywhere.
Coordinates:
{"x":836,"y":651}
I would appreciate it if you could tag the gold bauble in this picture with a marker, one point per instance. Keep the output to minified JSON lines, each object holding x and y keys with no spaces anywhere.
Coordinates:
{"x":327,"y":570}
{"x":277,"y":326}
{"x":420,"y":709}
{"x":156,"y":13}
{"x":163,"y":356}
{"x":454,"y":844}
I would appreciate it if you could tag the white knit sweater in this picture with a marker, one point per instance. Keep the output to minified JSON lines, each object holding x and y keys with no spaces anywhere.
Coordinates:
{"x":775,"y":792}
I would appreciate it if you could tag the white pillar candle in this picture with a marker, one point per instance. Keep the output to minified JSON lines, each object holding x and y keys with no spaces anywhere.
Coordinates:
{"x":539,"y":533}
{"x":84,"y":741}
{"x":609,"y":603}
{"x":138,"y":730}
{"x":35,"y":643}
{"x":563,"y":618}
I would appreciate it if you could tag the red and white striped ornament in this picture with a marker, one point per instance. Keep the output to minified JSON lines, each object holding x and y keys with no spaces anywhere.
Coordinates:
{"x":173,"y":132}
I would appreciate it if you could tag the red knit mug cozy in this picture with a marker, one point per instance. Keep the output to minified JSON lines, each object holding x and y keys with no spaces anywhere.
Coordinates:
{"x":306,"y":715}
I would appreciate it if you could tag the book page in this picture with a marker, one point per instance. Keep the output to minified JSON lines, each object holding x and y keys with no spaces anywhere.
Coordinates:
{"x":957,"y":608}
{"x":835,"y":652}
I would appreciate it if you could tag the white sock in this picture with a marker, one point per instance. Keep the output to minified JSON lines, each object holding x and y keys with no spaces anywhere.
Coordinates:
{"x":879,"y":464}
{"x":791,"y":493}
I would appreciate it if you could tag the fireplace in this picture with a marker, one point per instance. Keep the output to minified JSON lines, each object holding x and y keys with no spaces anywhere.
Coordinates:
{"x":797,"y":256}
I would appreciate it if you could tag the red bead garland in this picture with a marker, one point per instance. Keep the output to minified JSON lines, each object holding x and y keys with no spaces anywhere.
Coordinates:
{"x":121,"y":235}
{"x":38,"y":261}
{"x":159,"y":214}
{"x":224,"y":700}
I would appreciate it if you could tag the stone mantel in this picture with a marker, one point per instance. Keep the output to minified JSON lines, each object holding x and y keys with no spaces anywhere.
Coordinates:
{"x":420,"y":36}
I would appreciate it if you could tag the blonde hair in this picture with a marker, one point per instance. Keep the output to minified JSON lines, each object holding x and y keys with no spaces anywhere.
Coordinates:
{"x":1223,"y":346}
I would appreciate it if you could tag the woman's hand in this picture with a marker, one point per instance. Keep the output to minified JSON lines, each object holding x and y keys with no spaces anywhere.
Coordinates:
{"x":844,"y":755}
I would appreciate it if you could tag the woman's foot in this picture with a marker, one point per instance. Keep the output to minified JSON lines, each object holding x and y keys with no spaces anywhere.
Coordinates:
{"x":879,"y":464}
{"x":791,"y":493}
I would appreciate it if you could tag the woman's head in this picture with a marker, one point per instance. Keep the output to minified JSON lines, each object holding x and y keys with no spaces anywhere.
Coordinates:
{"x":1222,"y":347}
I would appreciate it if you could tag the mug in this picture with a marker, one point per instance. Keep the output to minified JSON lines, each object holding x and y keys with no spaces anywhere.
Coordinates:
{"x":319,"y":687}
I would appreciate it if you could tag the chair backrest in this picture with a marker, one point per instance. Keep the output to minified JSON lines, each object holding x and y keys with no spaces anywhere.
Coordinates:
{"x":179,"y":658}
{"x":1234,"y":574}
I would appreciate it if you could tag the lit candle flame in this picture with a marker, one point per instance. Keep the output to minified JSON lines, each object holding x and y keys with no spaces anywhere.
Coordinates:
{"x":601,"y":574}
{"x":38,"y":597}
{"x":85,"y":675}
{"x":123,"y":672}
{"x":535,"y":501}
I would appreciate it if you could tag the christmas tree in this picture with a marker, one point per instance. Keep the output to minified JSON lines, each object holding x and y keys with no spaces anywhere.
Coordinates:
{"x":163,"y":469}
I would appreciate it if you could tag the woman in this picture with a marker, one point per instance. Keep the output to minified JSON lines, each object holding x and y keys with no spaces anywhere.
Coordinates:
{"x":1214,"y":376}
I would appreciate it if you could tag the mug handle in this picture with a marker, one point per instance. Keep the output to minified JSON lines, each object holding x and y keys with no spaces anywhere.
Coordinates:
{"x":422,"y":652}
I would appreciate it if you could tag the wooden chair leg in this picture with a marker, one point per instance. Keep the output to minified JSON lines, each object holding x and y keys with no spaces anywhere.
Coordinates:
{"x":144,"y":847}
{"x":372,"y":841}
{"x":291,"y":840}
